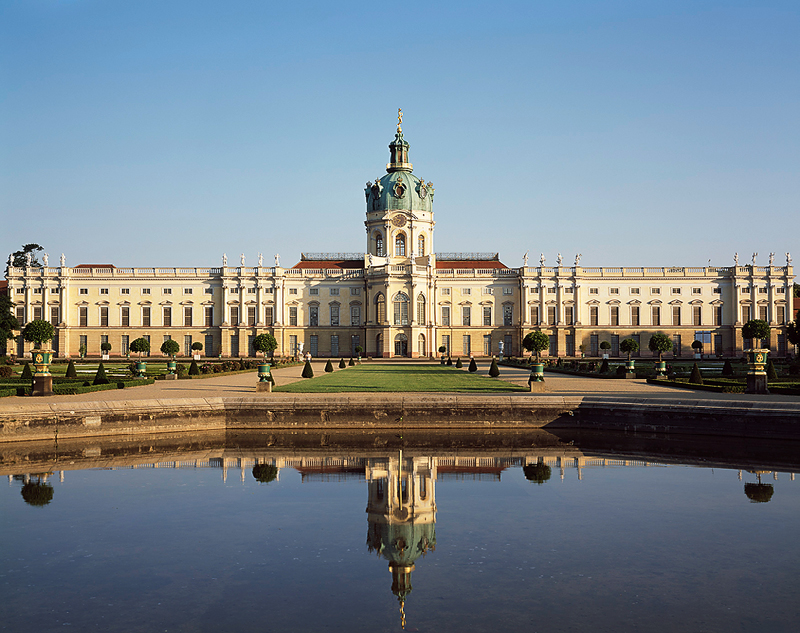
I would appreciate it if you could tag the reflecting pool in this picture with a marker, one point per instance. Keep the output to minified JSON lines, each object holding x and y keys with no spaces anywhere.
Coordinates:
{"x":263,"y":537}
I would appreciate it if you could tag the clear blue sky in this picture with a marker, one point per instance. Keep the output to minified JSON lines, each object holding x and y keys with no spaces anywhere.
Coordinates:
{"x":154,"y":133}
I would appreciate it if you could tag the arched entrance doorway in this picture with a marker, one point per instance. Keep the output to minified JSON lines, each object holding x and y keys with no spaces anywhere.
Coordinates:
{"x":421,"y":345}
{"x":401,"y":345}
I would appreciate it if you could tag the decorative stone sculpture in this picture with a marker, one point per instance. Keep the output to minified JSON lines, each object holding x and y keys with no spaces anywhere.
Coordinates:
{"x":277,"y":260}
{"x":754,"y":258}
{"x":260,"y":260}
{"x":224,"y":259}
{"x":63,"y":260}
{"x":736,"y":259}
{"x":771,"y":259}
{"x":577,"y":260}
{"x":28,"y":260}
{"x":241,"y":259}
{"x":559,"y":260}
{"x":45,"y":260}
{"x":542,"y":260}
{"x":788,"y":259}
{"x":525,"y":259}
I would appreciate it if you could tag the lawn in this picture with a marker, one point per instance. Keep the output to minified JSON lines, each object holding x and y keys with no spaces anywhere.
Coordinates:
{"x":399,"y":378}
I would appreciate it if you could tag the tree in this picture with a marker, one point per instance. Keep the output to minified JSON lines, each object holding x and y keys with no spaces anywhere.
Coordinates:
{"x":359,"y":350}
{"x":342,"y":364}
{"x":796,"y":290}
{"x":140,"y":346}
{"x":197,"y":346}
{"x":772,"y":375}
{"x":194,"y":370}
{"x":100,"y":377}
{"x":170,"y":347}
{"x":26,"y":374}
{"x":605,"y":346}
{"x":328,"y":367}
{"x":265,"y":343}
{"x":106,"y":347}
{"x":473,"y":366}
{"x":755,"y":329}
{"x":727,"y":369}
{"x":71,"y":372}
{"x":38,"y":332}
{"x":265,"y":473}
{"x":19,"y":259}
{"x":459,"y":364}
{"x":697,"y":346}
{"x":660,"y":343}
{"x":759,"y":493}
{"x":629,"y":346}
{"x":494,"y":370}
{"x":696,"y":378}
{"x":37,"y":493}
{"x":8,"y":322}
{"x":604,"y":368}
{"x":308,"y":371}
{"x":537,"y":473}
{"x":536,"y":342}
{"x":793,"y":329}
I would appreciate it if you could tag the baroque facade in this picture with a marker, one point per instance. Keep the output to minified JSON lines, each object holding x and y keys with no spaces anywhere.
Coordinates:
{"x":401,"y":299}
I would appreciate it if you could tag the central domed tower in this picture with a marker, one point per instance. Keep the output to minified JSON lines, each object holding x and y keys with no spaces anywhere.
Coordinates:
{"x":399,"y":207}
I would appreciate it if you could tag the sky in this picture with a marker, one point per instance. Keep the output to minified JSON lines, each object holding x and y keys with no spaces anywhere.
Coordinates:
{"x":156,"y":133}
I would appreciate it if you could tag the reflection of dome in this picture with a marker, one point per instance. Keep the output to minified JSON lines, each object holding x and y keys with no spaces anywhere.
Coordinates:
{"x":401,"y":543}
{"x":399,"y":188}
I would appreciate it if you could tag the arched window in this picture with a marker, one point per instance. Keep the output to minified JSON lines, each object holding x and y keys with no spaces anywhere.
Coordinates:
{"x":401,"y":309}
{"x":421,"y":245}
{"x":380,"y":309}
{"x":421,"y":309}
{"x":379,"y":245}
{"x":400,"y":245}
{"x":421,"y":347}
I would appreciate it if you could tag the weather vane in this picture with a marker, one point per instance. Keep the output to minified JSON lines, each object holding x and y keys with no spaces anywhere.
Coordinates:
{"x":399,"y":120}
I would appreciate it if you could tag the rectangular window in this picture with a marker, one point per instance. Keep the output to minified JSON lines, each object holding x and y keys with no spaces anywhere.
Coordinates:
{"x":762,"y":290}
{"x":83,"y":343}
{"x":167,"y":314}
{"x":781,"y":315}
{"x":145,"y":316}
{"x":487,"y":344}
{"x":355,"y":316}
{"x":745,"y":314}
{"x":746,"y":290}
{"x":355,"y":341}
{"x":762,"y":313}
{"x":292,"y":291}
{"x":569,"y":344}
{"x":166,"y":291}
{"x":635,"y":316}
{"x":125,"y":344}
{"x":781,"y":290}
{"x":234,"y":344}
{"x":697,"y":291}
{"x":656,"y":315}
{"x":401,"y":312}
{"x":446,"y":343}
{"x":293,"y":315}
{"x":508,"y":311}
{"x":466,"y":291}
{"x":145,"y":291}
{"x":187,"y":291}
{"x":313,"y":291}
{"x":676,"y":345}
{"x":487,"y":291}
{"x":187,"y":344}
{"x":676,"y":291}
{"x":334,"y":315}
{"x":613,"y":291}
{"x":655,"y":291}
{"x":467,"y":344}
{"x":334,"y":292}
{"x":445,"y":291}
{"x":594,"y":344}
{"x":466,"y":315}
{"x":209,"y":345}
{"x":634,"y":291}
{"x":103,"y":291}
{"x":21,"y":315}
{"x":124,"y":291}
{"x":37,"y":313}
{"x":251,"y":291}
{"x":187,"y":316}
{"x":551,"y":315}
{"x":103,"y":316}
{"x":593,"y":291}
{"x":313,"y":345}
{"x":717,"y":291}
{"x":569,"y":317}
{"x":334,"y":344}
{"x":553,"y":351}
{"x":593,"y":315}
{"x":355,"y":292}
{"x":251,"y":316}
{"x":697,"y":316}
{"x":551,"y":290}
{"x":717,"y":315}
{"x":81,"y":291}
{"x":534,"y":315}
{"x":125,"y":316}
{"x":293,"y":348}
{"x":615,"y":344}
{"x":676,"y":315}
{"x":446,"y":316}
{"x":268,"y":316}
{"x":208,"y":317}
{"x":54,"y":315}
{"x":487,"y":315}
{"x":103,"y":341}
{"x":234,"y":315}
{"x":569,"y":290}
{"x":208,"y":291}
{"x":614,"y":315}
{"x":506,"y":291}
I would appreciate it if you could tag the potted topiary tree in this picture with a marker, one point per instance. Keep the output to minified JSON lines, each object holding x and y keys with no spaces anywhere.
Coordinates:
{"x":536,"y":342}
{"x":756,"y":329}
{"x":605,"y":346}
{"x":264,"y":343}
{"x":660,"y":343}
{"x":39,"y":332}
{"x":197,"y":347}
{"x":629,"y":346}
{"x":140,"y":346}
{"x":170,"y":348}
{"x":82,"y":351}
{"x":697,"y":346}
{"x":359,"y":351}
{"x":105,"y":348}
{"x":442,"y":350}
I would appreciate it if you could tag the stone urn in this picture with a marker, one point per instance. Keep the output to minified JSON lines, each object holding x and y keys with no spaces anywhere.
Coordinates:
{"x":264,"y":372}
{"x":141,"y":368}
{"x":757,"y":376}
{"x":630,"y":365}
{"x":537,"y":372}
{"x":661,"y":369}
{"x":42,"y":359}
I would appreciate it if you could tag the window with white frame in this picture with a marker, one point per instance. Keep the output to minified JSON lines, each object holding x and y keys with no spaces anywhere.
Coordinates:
{"x":313,"y":291}
{"x":594,"y":291}
{"x":445,"y":291}
{"x":466,"y":291}
{"x":187,"y":291}
{"x":446,"y":316}
{"x":508,"y":311}
{"x":334,"y":292}
{"x":103,"y":291}
{"x":355,"y":316}
{"x":487,"y":315}
{"x":124,"y":291}
{"x":487,"y":291}
{"x":355,"y":292}
{"x":508,"y":291}
{"x":145,"y":291}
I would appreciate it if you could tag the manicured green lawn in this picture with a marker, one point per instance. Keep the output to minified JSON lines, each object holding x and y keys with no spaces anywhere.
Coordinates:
{"x":394,"y":378}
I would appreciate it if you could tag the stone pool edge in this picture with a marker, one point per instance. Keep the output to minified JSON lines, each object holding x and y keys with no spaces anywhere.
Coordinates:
{"x":287,"y":412}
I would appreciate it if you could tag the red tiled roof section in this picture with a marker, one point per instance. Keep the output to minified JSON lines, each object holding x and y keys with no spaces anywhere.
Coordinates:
{"x":3,"y":287}
{"x":322,"y":264}
{"x":470,"y":263}
{"x":95,"y":266}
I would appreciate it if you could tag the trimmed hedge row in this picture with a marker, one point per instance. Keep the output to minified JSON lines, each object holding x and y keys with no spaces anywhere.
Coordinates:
{"x":77,"y":387}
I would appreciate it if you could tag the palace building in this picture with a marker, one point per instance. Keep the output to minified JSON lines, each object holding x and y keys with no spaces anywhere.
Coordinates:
{"x":399,"y":298}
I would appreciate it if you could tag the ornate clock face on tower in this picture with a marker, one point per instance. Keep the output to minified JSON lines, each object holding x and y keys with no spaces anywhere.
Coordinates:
{"x":399,"y":220}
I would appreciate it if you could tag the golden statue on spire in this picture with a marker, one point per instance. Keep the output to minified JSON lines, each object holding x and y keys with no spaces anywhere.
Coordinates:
{"x":399,"y":120}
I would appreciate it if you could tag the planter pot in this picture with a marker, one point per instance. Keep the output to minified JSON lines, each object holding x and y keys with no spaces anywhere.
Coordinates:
{"x":537,"y":372}
{"x":104,"y":357}
{"x":661,"y":368}
{"x":630,"y":365}
{"x":141,"y":368}
{"x":42,"y":358}
{"x":196,"y":356}
{"x":605,"y":356}
{"x":757,"y":359}
{"x":172,"y":366}
{"x":264,"y":372}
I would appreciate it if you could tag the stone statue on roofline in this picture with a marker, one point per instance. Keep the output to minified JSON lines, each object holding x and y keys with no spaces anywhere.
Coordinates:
{"x":736,"y":259}
{"x":754,"y":258}
{"x":45,"y":260}
{"x":788,"y":259}
{"x":260,"y":260}
{"x":559,"y":260}
{"x":63,"y":260}
{"x":28,"y":260}
{"x":577,"y":260}
{"x":224,"y":259}
{"x":525,"y":259}
{"x":277,"y":260}
{"x":241,"y":259}
{"x":542,"y":259}
{"x":772,"y":259}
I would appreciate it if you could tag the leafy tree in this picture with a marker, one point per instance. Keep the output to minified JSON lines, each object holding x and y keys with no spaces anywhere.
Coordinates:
{"x":328,"y":367}
{"x":494,"y":370}
{"x":696,"y":377}
{"x":697,"y":346}
{"x":308,"y":371}
{"x":537,"y":473}
{"x":755,"y":329}
{"x":359,"y":350}
{"x":473,"y":366}
{"x":38,"y":332}
{"x":660,"y":343}
{"x":459,"y":364}
{"x":71,"y":372}
{"x":759,"y":493}
{"x":796,"y":290}
{"x":170,"y":347}
{"x":442,"y":349}
{"x":19,"y":258}
{"x":629,"y":346}
{"x":100,"y":377}
{"x":106,"y":347}
{"x":197,"y":346}
{"x":26,"y":374}
{"x":265,"y":473}
{"x":37,"y":493}
{"x":342,"y":364}
{"x":727,"y":369}
{"x":8,"y":322}
{"x":265,"y":343}
{"x":194,"y":370}
{"x":605,"y":345}
{"x":140,"y":346}
{"x":536,"y":342}
{"x":793,"y":329}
